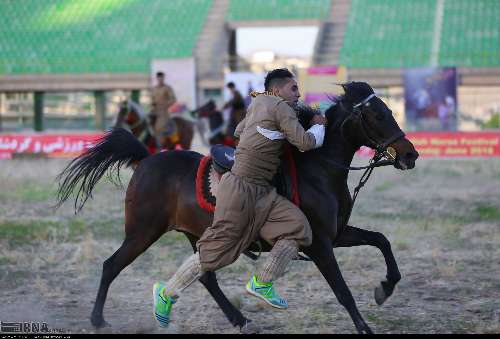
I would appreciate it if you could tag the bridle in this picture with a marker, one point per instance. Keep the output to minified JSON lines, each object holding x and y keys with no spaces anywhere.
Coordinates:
{"x":382,"y":149}
{"x":379,"y":146}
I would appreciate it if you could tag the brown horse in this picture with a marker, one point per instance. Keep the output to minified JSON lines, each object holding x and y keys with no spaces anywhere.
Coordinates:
{"x":132,"y":115}
{"x":161,"y":196}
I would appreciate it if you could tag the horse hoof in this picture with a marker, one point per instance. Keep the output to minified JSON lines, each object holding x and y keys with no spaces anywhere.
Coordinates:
{"x":380,"y":295}
{"x":367,"y":330}
{"x":249,"y":328}
{"x":99,"y":322}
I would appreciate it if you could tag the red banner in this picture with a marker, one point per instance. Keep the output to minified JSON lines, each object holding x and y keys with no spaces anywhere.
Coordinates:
{"x":452,"y":144}
{"x":428,"y":144}
{"x":54,"y":145}
{"x":457,"y":144}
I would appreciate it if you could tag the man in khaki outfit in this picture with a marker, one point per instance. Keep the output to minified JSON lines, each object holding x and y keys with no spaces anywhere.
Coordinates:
{"x":247,"y":204}
{"x":163,"y":97}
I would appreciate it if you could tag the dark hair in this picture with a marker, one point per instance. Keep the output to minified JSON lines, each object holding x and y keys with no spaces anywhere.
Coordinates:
{"x":160,"y":74}
{"x":230,"y":85}
{"x":276,"y":77}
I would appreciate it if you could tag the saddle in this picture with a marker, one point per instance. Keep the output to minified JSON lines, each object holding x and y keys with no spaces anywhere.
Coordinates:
{"x":221,"y":160}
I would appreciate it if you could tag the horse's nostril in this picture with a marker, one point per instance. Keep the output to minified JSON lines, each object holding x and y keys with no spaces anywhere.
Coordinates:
{"x":411,"y":156}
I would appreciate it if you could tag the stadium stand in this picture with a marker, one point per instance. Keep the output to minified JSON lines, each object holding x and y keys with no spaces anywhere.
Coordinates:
{"x":395,"y":34}
{"x":471,"y":33}
{"x":93,"y":36}
{"x":244,"y":10}
{"x":388,"y":33}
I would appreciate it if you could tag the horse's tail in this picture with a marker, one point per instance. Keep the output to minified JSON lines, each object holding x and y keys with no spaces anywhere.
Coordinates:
{"x":116,"y":148}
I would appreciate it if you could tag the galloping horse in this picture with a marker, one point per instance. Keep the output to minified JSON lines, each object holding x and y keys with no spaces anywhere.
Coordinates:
{"x":132,"y":114}
{"x":161,"y":196}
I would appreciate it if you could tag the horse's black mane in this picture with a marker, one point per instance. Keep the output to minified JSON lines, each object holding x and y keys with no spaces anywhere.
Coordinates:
{"x":305,"y":114}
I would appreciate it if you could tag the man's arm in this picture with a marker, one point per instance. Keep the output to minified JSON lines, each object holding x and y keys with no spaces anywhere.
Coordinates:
{"x":228,"y":104}
{"x":294,"y":132}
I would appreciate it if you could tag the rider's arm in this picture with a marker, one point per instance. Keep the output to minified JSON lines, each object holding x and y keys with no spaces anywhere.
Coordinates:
{"x":227,"y":104}
{"x":294,"y":132}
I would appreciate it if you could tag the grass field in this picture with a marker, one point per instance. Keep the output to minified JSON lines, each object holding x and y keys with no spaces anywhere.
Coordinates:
{"x":442,"y":219}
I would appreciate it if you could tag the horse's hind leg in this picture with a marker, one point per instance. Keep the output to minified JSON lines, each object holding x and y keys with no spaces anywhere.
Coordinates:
{"x":130,"y":249}
{"x":209,"y":280}
{"x":353,"y":236}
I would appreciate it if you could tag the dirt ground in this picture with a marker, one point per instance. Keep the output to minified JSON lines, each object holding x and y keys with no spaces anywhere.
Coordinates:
{"x":442,"y":219}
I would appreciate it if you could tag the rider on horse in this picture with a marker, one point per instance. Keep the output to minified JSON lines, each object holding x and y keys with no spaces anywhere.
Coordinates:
{"x":163,"y":97}
{"x":247,"y":204}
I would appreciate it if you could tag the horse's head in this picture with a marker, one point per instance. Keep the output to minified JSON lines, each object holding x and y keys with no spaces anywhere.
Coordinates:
{"x":371,"y":123}
{"x":132,"y":116}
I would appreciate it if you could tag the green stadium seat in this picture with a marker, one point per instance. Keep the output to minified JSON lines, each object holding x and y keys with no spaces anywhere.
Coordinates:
{"x":471,"y":33}
{"x":88,"y":36}
{"x":394,"y":33}
{"x":245,"y":10}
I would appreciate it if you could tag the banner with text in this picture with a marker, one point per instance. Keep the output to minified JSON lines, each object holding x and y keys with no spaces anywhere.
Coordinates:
{"x":452,"y":144}
{"x":53,"y":145}
{"x":428,"y":144}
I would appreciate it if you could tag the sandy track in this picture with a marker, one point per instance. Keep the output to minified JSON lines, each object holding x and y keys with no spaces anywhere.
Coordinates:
{"x":442,"y":219}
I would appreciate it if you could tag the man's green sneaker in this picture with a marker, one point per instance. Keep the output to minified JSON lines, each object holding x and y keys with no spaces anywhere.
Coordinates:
{"x":162,"y":304}
{"x":266,"y":292}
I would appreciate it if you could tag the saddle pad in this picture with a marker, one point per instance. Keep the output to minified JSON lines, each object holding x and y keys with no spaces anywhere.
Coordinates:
{"x":207,"y":181}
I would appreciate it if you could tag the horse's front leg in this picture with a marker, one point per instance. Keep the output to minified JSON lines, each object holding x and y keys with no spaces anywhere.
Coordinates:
{"x":353,"y":236}
{"x":321,"y":252}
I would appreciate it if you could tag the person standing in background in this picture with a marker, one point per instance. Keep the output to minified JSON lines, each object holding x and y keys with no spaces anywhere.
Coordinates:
{"x":237,"y":109}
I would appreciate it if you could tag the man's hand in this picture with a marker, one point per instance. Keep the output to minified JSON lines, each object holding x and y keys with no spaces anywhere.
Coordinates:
{"x":318,"y":119}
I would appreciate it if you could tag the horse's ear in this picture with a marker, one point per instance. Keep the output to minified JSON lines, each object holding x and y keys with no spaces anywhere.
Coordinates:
{"x":345,"y":87}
